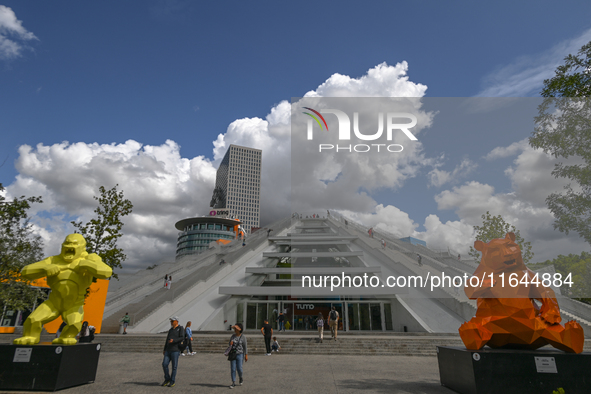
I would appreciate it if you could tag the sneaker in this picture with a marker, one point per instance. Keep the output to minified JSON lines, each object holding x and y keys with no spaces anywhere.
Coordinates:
{"x":233,"y":385}
{"x":277,"y":350}
{"x":268,"y":354}
{"x":194,"y":353}
{"x":171,"y":384}
{"x":183,"y":354}
{"x":166,"y":383}
{"x":241,"y":381}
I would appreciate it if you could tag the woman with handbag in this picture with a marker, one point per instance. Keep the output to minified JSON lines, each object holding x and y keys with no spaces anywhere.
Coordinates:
{"x":237,"y":353}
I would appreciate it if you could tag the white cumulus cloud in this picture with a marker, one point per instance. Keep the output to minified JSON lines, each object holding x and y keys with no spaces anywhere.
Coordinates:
{"x":457,"y":236}
{"x":380,"y":81}
{"x":165,"y":187}
{"x":507,"y":151}
{"x":12,"y":34}
{"x":389,"y":219}
{"x":439,"y":177}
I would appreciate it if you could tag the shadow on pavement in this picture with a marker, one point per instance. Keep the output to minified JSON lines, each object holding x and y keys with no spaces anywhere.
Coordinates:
{"x":144,"y":383}
{"x":392,"y":386}
{"x":210,"y":385}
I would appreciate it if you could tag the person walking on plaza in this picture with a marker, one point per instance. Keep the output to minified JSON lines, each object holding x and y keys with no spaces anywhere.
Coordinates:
{"x":320,"y":326}
{"x":239,"y":344}
{"x":171,"y":352}
{"x":166,"y":280}
{"x":125,"y":320}
{"x":267,"y":332}
{"x":383,"y":244}
{"x":420,"y":260}
{"x":281,"y":321}
{"x":333,"y":322}
{"x":275,"y":346}
{"x":189,"y":336}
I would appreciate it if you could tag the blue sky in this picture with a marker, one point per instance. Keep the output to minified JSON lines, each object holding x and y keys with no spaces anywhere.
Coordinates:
{"x":151,"y":71}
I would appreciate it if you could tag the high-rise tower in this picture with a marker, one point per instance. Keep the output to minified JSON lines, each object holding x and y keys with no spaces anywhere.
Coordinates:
{"x":238,"y":185}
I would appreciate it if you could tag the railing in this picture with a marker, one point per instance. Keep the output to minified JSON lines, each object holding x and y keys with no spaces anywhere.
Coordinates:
{"x":189,"y":261}
{"x":579,"y":310}
{"x":399,"y":245}
{"x":406,"y":248}
{"x":180,"y":265}
{"x":205,"y":270}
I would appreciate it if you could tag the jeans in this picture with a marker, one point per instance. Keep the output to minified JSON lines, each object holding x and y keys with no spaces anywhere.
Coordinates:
{"x":281,"y":325}
{"x":168,"y":357}
{"x":236,"y":365}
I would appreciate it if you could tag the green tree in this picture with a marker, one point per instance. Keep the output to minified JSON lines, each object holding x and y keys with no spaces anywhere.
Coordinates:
{"x":19,"y":246}
{"x":573,"y":78}
{"x":579,"y":267}
{"x":563,"y":129}
{"x":103,"y":231}
{"x":496,"y":227}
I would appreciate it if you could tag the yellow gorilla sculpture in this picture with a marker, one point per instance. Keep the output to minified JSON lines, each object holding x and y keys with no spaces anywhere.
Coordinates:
{"x":69,"y":274}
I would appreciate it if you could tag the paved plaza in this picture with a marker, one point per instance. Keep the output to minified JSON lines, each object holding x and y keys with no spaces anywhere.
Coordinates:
{"x":279,"y":373}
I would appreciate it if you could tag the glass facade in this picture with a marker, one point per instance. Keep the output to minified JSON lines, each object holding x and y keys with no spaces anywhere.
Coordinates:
{"x":197,"y":237}
{"x":238,"y":185}
{"x":302,"y":315}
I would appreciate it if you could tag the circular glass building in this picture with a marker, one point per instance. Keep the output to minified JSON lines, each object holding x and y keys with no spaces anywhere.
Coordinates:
{"x":197,"y":233}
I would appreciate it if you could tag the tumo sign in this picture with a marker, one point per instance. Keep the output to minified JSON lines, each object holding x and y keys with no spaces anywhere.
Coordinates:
{"x":219,"y":212}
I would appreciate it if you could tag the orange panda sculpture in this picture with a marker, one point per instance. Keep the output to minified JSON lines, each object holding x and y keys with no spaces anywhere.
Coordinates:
{"x":519,"y":316}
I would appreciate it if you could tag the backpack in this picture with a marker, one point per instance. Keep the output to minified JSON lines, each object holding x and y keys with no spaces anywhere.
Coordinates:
{"x":333,"y":315}
{"x":185,"y":342}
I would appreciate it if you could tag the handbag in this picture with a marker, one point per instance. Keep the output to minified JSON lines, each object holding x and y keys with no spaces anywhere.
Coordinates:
{"x":232,"y":353}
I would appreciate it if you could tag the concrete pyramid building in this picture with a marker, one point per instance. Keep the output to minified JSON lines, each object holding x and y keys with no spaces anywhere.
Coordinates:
{"x":283,"y":273}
